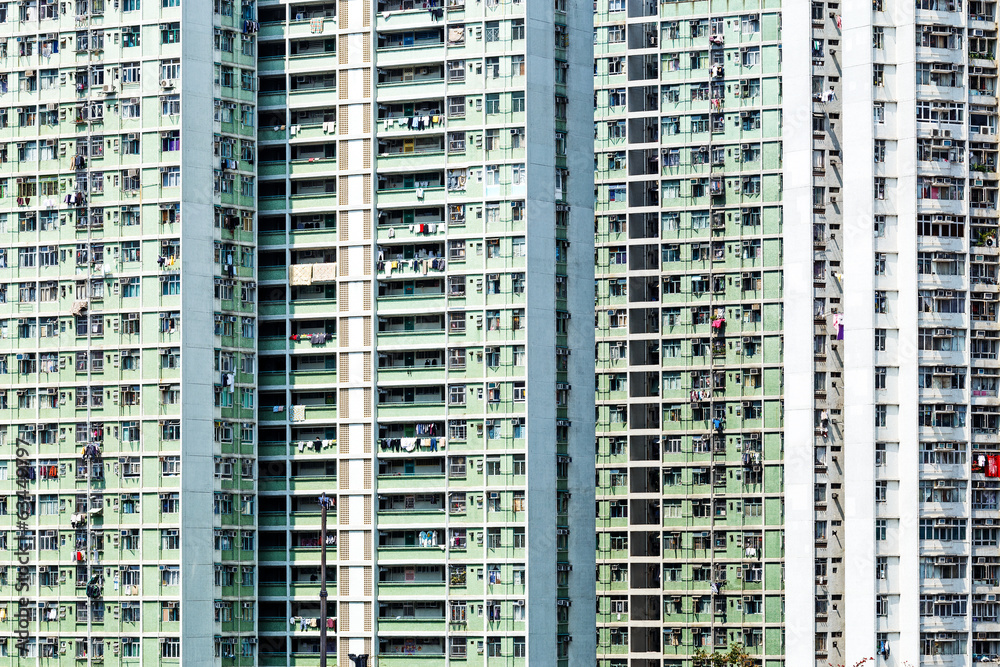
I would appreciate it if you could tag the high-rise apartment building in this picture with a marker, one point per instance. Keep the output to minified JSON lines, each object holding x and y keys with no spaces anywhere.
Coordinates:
{"x":796,"y":334}
{"x":128,"y":323}
{"x":875,"y":280}
{"x":919,"y":420}
{"x":817,"y":238}
{"x":421,"y":246}
{"x":689,"y":227}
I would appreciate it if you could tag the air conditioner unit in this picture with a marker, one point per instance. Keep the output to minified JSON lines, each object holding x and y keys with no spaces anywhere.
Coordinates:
{"x":166,"y":83}
{"x":977,"y":33}
{"x":935,"y":133}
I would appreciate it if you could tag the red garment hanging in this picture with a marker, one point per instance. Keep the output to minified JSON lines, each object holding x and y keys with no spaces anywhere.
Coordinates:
{"x":993,"y":465}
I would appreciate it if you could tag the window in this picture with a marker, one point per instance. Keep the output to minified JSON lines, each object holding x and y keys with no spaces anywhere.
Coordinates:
{"x":131,"y":251}
{"x":170,"y":177}
{"x":881,"y":605}
{"x":130,"y":646}
{"x":170,"y":33}
{"x":879,"y":187}
{"x":517,"y":29}
{"x":170,"y":647}
{"x":879,"y":150}
{"x":881,"y":302}
{"x":493,"y":103}
{"x":170,"y":70}
{"x":878,"y":113}
{"x":880,"y":337}
{"x":130,"y":287}
{"x":170,"y":105}
{"x":170,"y":539}
{"x":881,"y":413}
{"x":169,"y":503}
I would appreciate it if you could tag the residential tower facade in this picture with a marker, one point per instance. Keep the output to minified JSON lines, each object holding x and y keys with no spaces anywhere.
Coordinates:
{"x":422,"y":245}
{"x":689,"y":295}
{"x":128,"y":325}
